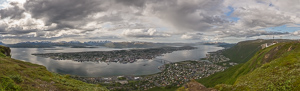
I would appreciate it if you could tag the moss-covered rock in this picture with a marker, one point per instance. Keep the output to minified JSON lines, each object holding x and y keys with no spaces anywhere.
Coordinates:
{"x":4,"y":51}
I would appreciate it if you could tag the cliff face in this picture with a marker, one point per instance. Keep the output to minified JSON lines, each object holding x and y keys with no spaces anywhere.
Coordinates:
{"x":5,"y":51}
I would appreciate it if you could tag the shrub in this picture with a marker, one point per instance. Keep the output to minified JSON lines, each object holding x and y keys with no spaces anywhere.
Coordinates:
{"x":17,"y":78}
{"x":7,"y":84}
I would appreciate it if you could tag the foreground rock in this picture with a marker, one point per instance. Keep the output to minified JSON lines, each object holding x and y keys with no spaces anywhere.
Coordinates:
{"x":5,"y":50}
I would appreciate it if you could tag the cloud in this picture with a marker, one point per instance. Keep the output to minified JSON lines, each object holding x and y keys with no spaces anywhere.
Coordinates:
{"x":189,"y":15}
{"x":257,"y":15}
{"x":136,"y":19}
{"x":144,"y":33}
{"x":30,"y":37}
{"x":15,"y":12}
{"x":249,"y":33}
{"x":138,"y":3}
{"x":65,"y":13}
{"x":194,"y":36}
{"x":105,"y":37}
{"x":261,"y":17}
{"x":296,"y":33}
{"x":293,"y":25}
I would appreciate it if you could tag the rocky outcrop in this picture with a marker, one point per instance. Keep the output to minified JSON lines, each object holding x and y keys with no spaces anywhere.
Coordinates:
{"x":5,"y":50}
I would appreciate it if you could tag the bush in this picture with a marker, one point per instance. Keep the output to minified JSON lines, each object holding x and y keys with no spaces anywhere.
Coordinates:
{"x":7,"y":84}
{"x":17,"y":78}
{"x":121,"y":78}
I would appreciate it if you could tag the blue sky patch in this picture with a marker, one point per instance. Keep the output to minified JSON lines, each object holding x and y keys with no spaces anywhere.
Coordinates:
{"x":231,"y":18}
{"x":230,"y":12}
{"x":283,"y":28}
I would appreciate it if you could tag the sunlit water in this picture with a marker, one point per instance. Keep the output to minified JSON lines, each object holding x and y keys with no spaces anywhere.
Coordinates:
{"x":92,"y":69}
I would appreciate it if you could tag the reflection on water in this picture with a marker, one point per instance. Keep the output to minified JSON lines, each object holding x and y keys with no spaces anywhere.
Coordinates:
{"x":92,"y":69}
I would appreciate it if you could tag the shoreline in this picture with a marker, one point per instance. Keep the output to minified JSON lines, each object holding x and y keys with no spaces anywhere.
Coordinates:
{"x":196,"y":69}
{"x":174,"y":74}
{"x":131,"y":79}
{"x":200,"y":59}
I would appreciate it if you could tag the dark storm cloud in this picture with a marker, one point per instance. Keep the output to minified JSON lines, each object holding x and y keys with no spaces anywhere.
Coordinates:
{"x":138,"y":3}
{"x":17,"y":31}
{"x":191,"y":15}
{"x":2,"y":27}
{"x":111,"y":18}
{"x":14,"y":13}
{"x":63,"y":11}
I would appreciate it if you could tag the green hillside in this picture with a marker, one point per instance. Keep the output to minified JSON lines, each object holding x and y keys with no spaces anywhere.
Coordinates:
{"x":17,"y":75}
{"x":224,"y":77}
{"x":240,"y":53}
{"x":274,"y":68}
{"x":243,"y":51}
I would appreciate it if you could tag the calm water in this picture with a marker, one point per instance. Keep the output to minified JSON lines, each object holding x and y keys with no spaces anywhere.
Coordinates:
{"x":92,"y":69}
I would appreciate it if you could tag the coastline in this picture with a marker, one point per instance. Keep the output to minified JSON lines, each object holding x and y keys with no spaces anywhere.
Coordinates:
{"x":142,"y":80}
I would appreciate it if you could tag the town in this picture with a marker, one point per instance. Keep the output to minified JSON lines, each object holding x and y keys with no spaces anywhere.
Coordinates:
{"x":218,"y":58}
{"x":173,"y":74}
{"x":120,"y":56}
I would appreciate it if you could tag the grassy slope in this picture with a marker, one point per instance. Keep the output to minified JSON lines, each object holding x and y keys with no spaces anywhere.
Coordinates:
{"x":224,"y":77}
{"x":163,"y":89}
{"x":240,"y":53}
{"x":19,"y":75}
{"x":277,"y":68}
{"x":243,"y":51}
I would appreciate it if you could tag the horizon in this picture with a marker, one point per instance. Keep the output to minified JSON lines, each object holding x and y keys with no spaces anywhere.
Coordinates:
{"x":143,"y":41}
{"x":164,"y":21}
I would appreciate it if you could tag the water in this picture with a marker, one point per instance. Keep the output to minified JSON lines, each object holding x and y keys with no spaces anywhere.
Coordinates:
{"x":92,"y":69}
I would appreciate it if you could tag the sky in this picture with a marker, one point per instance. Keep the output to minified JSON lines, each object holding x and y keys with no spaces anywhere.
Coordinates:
{"x":148,"y":20}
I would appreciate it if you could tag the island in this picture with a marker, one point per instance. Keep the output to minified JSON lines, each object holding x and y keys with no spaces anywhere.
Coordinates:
{"x":120,"y":56}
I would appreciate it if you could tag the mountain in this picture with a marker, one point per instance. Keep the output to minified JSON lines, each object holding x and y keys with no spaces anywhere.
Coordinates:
{"x":243,"y":51}
{"x":48,"y":44}
{"x":240,"y":53}
{"x":1,"y":43}
{"x":273,"y":68}
{"x":17,"y":75}
{"x":93,"y":44}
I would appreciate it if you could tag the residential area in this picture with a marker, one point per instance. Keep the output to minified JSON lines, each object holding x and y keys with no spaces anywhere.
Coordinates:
{"x":173,"y":74}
